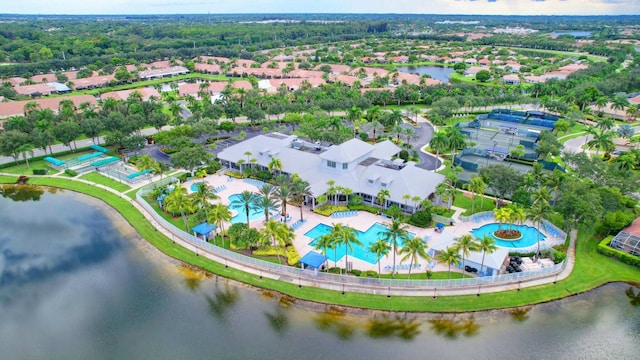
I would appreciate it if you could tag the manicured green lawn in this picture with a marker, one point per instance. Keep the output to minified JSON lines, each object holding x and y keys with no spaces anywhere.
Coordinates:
{"x":480,"y":205}
{"x":106,"y":181}
{"x":591,"y":270}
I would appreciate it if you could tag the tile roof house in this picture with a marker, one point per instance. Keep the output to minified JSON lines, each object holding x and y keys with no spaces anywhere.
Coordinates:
{"x":16,"y":108}
{"x":160,"y":73}
{"x":345,"y":79}
{"x":335,"y":68}
{"x":35,"y":90}
{"x":532,"y":79}
{"x":511,"y":80}
{"x":145,"y":92}
{"x":93,"y":82}
{"x":213,"y":69}
{"x":364,"y":168}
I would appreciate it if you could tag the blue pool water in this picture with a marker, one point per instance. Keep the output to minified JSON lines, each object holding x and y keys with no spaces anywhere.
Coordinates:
{"x":361,"y":252}
{"x":241,"y":217}
{"x":194,"y":186}
{"x":529,"y":235}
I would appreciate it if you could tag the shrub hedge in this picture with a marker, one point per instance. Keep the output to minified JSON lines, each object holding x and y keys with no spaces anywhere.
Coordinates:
{"x":604,"y":249}
{"x":289,"y":252}
{"x":327,"y":210}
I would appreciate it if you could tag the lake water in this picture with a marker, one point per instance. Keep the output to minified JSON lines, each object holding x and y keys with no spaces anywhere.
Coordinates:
{"x":577,"y":34}
{"x":77,"y":283}
{"x":436,"y":72}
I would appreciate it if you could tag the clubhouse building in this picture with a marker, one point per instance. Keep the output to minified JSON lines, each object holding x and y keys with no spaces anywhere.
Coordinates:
{"x":363,"y":168}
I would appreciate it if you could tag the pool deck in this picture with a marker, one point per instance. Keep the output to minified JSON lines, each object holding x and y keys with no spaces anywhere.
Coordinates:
{"x":361,"y":222}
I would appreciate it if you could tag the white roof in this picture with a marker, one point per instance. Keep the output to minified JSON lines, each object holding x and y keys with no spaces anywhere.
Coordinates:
{"x":309,"y":166}
{"x":347,"y":151}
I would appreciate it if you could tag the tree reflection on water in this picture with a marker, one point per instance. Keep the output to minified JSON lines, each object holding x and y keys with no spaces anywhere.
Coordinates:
{"x":454,"y":327}
{"x":23,"y":192}
{"x":333,"y":320}
{"x":386,"y":326}
{"x":223,"y":299}
{"x":634,"y":298}
{"x":520,"y":314}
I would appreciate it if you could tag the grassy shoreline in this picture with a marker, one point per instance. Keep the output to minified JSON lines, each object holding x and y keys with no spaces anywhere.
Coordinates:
{"x":591,"y":271}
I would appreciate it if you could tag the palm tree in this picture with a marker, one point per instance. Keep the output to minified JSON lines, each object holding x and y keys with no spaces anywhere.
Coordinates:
{"x":410,"y":134}
{"x":395,"y":231}
{"x":618,"y":103}
{"x":203,"y":195}
{"x":380,"y":248}
{"x":416,"y":200}
{"x":601,"y":140}
{"x":537,"y":213}
{"x":376,"y":127}
{"x":145,"y":162}
{"x":449,"y":256}
{"x":502,"y":215}
{"x":606,"y":123}
{"x":438,"y":142}
{"x":266,"y":200}
{"x":382,"y":196}
{"x":406,"y":198}
{"x":25,"y":149}
{"x":284,"y":194}
{"x":218,"y":215}
{"x":246,"y":200}
{"x":179,"y":201}
{"x":556,"y":180}
{"x":455,"y":141}
{"x":541,"y":195}
{"x":395,"y":116}
{"x":274,"y":164}
{"x":414,"y":248}
{"x":488,"y":246}
{"x":518,"y":215}
{"x":324,"y":243}
{"x":300,"y":190}
{"x":465,"y":244}
{"x":276,"y":233}
{"x":476,"y":186}
{"x":347,"y":236}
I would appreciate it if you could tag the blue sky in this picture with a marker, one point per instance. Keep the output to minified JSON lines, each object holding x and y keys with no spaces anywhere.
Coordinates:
{"x":496,"y":7}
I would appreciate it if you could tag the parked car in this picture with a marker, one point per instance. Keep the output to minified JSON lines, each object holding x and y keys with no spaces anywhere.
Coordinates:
{"x":470,"y":269}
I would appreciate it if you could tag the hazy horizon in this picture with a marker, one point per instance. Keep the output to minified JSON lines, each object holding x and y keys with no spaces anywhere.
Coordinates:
{"x":429,"y":7}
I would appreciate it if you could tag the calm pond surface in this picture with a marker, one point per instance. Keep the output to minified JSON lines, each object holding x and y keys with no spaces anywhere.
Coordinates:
{"x":436,"y":72}
{"x":77,"y":283}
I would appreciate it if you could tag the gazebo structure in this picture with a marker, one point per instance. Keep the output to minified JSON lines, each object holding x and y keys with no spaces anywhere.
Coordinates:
{"x":203,"y":229}
{"x":312,"y":260}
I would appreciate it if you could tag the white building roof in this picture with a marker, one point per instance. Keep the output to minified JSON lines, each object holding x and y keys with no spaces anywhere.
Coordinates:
{"x":309,"y":165}
{"x":348,"y":151}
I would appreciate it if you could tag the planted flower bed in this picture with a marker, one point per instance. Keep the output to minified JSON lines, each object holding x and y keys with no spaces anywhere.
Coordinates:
{"x":508,"y":234}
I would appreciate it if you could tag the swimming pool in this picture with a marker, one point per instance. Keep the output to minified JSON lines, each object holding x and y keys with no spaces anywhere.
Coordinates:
{"x":371,"y":235}
{"x":241,"y":216}
{"x":195,"y":185}
{"x":529,"y":235}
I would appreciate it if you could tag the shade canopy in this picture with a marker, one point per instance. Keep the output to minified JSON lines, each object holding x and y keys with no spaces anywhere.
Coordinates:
{"x":203,"y":228}
{"x":313,"y":259}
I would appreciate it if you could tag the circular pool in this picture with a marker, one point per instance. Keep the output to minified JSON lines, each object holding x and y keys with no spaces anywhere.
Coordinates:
{"x":529,"y":235}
